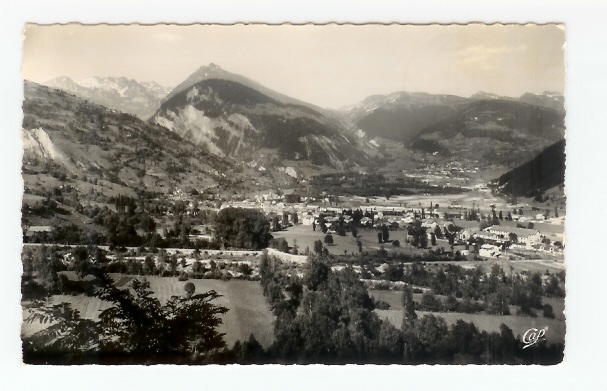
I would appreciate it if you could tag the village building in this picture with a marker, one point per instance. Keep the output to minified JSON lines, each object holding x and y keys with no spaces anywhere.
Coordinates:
{"x":490,"y":251}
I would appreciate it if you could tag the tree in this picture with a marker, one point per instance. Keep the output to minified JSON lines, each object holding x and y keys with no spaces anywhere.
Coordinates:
{"x":321,"y":222}
{"x":379,"y":237}
{"x":501,"y":216}
{"x":189,"y":289}
{"x":136,"y":328}
{"x":548,"y":311}
{"x":328,"y":239}
{"x":295,"y":219}
{"x":430,"y":302}
{"x":242,"y":228}
{"x":316,"y":273}
{"x":423,"y":241}
{"x":295,"y":248}
{"x":409,"y":316}
{"x":318,"y":247}
{"x":385,"y":231}
{"x":360,"y":246}
{"x":285,"y":219}
{"x":67,"y":333}
{"x":394,"y":272}
{"x":419,"y":235}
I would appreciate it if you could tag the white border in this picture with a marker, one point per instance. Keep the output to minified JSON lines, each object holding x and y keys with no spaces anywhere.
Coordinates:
{"x":586,"y":152}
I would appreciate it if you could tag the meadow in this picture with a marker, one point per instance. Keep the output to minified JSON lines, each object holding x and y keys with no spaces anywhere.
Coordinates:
{"x":485,"y":322}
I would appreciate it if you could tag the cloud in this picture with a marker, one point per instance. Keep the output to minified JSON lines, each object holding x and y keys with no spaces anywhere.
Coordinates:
{"x":167,"y":37}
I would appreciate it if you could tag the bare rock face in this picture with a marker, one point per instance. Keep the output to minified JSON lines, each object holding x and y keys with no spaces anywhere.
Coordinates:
{"x":234,"y":120}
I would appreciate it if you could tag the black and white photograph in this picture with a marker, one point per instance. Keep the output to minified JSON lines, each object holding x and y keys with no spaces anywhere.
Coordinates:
{"x":293,"y":194}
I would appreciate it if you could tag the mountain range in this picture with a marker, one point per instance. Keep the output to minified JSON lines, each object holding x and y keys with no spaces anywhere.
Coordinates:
{"x":233,"y":117}
{"x":484,"y":127}
{"x":85,"y":143}
{"x":119,"y":93}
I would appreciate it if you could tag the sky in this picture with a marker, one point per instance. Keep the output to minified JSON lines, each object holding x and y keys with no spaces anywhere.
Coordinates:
{"x":328,"y":65}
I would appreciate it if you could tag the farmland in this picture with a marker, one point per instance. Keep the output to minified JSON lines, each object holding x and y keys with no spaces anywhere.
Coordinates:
{"x":485,"y":322}
{"x":306,"y":237}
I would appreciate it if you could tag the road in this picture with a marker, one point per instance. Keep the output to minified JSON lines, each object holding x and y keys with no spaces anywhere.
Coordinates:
{"x":188,"y":251}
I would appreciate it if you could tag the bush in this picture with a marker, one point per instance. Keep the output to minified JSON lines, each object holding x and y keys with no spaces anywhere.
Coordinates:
{"x":380,"y":304}
{"x":183,"y":276}
{"x":396,"y":243}
{"x":548,"y":311}
{"x":189,"y":289}
{"x":430,"y":302}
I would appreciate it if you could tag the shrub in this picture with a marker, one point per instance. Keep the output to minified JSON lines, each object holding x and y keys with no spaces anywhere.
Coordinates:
{"x":396,"y":243}
{"x":380,"y":304}
{"x":183,"y":276}
{"x":548,"y":311}
{"x":189,"y":289}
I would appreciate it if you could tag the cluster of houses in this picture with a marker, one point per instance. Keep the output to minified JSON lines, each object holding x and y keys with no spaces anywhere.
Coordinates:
{"x":499,"y":237}
{"x":492,"y":240}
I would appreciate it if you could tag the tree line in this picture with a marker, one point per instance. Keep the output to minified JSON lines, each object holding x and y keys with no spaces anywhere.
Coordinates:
{"x":328,"y":317}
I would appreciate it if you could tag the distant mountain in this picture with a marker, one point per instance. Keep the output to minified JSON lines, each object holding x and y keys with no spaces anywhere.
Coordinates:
{"x":496,"y":130}
{"x":64,"y":133}
{"x":400,"y":116}
{"x":482,"y":95}
{"x":549,"y":100}
{"x":403,"y":116}
{"x":235,"y":120}
{"x":545,"y":171}
{"x":213,"y":71}
{"x":127,"y":95}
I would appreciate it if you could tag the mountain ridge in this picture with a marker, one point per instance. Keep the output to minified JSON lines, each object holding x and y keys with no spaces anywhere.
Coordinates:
{"x":543,"y":172}
{"x":118,"y":93}
{"x":86,"y":140}
{"x":235,"y":120}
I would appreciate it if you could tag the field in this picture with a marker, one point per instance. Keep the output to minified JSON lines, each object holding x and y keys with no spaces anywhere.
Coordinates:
{"x":248,"y":311}
{"x":518,"y":324}
{"x":306,"y":237}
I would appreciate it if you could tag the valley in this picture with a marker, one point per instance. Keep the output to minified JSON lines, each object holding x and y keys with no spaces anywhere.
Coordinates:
{"x":431,"y":211}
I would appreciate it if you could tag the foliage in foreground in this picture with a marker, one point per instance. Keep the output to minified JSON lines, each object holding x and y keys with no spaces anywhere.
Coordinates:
{"x":328,"y":317}
{"x":136,"y":329}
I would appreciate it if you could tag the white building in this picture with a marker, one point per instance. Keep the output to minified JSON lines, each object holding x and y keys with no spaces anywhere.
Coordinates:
{"x":489,"y":251}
